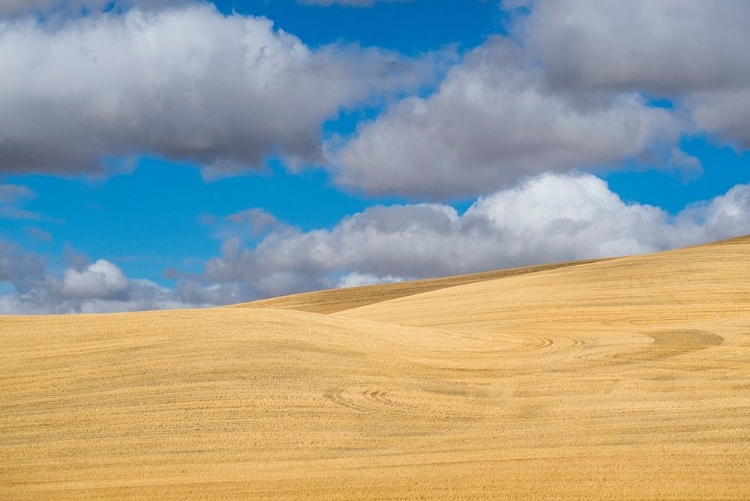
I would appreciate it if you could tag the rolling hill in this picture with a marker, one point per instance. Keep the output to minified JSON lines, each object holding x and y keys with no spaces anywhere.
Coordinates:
{"x":626,"y":378}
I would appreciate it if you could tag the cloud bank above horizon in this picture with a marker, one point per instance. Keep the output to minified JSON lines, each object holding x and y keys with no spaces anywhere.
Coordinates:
{"x":549,"y":218}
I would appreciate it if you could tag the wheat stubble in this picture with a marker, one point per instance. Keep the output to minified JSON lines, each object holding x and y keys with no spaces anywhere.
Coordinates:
{"x":622,"y":379}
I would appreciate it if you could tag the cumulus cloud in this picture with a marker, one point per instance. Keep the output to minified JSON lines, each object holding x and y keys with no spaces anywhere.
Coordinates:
{"x":568,"y":89}
{"x":186,"y":84}
{"x":83,"y":288}
{"x":100,"y":280}
{"x":551,"y":217}
{"x":142,"y":295}
{"x":688,"y":50}
{"x":98,"y":287}
{"x":664,"y":47}
{"x":725,"y":114}
{"x":493,"y":121}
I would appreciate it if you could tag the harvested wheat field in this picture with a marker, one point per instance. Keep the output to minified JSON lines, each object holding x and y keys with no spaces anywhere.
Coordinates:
{"x":621,"y":379}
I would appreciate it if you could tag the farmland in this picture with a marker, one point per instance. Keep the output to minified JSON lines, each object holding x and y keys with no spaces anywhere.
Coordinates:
{"x":613,"y":379}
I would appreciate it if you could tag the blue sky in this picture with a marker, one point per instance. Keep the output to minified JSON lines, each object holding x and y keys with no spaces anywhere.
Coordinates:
{"x":179,"y":154}
{"x":411,"y":28}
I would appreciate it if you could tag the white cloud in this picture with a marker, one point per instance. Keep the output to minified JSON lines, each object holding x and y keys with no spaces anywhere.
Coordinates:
{"x":664,"y":46}
{"x":568,"y":92}
{"x":187,"y":84}
{"x":726,"y":114}
{"x":355,"y":279}
{"x":142,"y":295}
{"x":549,"y":218}
{"x":100,"y":280}
{"x":84,"y":288}
{"x":688,"y":50}
{"x":493,"y":121}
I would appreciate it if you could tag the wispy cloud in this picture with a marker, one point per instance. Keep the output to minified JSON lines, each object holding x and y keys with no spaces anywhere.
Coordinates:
{"x":12,"y":197}
{"x":61,"y":8}
{"x":38,"y":234}
{"x":255,"y":220}
{"x":251,"y":223}
{"x":348,"y":3}
{"x":14,"y":193}
{"x":15,"y":213}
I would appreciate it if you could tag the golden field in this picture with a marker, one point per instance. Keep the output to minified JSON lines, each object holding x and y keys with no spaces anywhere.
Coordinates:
{"x":620,"y":379}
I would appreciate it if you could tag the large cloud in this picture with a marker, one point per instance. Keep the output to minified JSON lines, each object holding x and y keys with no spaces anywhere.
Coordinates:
{"x":664,"y":46}
{"x":683,"y":49}
{"x":549,"y":218}
{"x":188,"y":84}
{"x":725,"y":114}
{"x":493,"y":121}
{"x":99,"y":280}
{"x":570,"y":89}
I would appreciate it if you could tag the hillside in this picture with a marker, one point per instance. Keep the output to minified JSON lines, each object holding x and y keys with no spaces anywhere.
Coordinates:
{"x":335,"y":300}
{"x":618,"y":379}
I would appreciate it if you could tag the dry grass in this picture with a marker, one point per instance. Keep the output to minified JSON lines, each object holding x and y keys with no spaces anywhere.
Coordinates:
{"x":335,"y":300}
{"x":622,"y":379}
